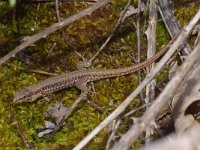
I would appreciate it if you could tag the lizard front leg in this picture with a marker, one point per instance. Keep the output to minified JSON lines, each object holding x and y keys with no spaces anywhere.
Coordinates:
{"x":84,"y":92}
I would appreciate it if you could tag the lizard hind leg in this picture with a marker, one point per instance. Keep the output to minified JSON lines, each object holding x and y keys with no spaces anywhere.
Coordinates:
{"x":91,"y":86}
{"x":47,"y":98}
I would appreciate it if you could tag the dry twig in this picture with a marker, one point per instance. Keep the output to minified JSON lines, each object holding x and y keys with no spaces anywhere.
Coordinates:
{"x":111,"y":137}
{"x":139,"y":45}
{"x":37,"y":71}
{"x":22,"y":135}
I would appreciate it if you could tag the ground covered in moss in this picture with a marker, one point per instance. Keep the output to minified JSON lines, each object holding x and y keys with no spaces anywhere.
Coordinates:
{"x":86,"y":35}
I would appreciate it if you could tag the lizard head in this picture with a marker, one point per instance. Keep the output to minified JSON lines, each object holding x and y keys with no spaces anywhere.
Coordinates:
{"x":25,"y":95}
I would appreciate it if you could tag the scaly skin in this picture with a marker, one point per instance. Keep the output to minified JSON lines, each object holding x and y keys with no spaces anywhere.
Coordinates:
{"x":76,"y":78}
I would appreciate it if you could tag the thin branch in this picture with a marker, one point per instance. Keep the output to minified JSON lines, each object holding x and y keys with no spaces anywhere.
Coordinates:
{"x":22,"y":134}
{"x":138,"y":108}
{"x":51,"y":49}
{"x":65,"y":36}
{"x":112,"y":33}
{"x":57,"y":10}
{"x":176,"y":43}
{"x":38,"y":71}
{"x":111,"y":137}
{"x":44,"y":33}
{"x":139,"y":45}
{"x":95,"y":106}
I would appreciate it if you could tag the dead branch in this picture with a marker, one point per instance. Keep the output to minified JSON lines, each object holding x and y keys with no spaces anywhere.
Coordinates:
{"x":171,"y":23}
{"x":187,"y":94}
{"x":138,"y":108}
{"x":112,"y":135}
{"x":151,"y":39}
{"x":22,"y":134}
{"x":120,"y":20}
{"x":38,"y":71}
{"x":187,"y":141}
{"x":95,"y":106}
{"x":139,"y":45}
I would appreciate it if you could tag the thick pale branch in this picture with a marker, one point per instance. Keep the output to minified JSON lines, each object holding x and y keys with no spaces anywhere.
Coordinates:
{"x":151,"y":39}
{"x":186,"y":141}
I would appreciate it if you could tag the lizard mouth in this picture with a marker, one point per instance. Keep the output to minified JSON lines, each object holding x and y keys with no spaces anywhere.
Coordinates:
{"x":27,"y":98}
{"x":17,"y":101}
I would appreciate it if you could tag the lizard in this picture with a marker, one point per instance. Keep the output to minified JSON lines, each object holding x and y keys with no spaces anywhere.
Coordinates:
{"x":78,"y":78}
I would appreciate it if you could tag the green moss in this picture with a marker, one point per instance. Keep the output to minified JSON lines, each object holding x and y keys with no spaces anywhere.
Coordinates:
{"x":162,"y":36}
{"x":138,"y":144}
{"x":185,"y":13}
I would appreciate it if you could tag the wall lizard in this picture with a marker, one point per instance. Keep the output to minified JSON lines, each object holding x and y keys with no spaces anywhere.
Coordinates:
{"x":77,"y":78}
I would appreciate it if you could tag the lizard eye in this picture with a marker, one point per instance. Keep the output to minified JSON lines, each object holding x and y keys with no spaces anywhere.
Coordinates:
{"x":28,"y":97}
